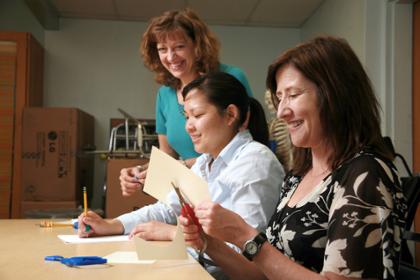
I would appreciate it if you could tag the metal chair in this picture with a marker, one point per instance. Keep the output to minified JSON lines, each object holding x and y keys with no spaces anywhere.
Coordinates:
{"x":411,"y":189}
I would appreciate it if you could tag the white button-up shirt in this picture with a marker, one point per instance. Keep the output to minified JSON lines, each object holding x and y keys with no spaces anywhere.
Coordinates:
{"x":245,"y":177}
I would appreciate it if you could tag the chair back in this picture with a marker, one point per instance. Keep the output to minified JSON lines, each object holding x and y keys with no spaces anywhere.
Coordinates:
{"x":411,"y":190}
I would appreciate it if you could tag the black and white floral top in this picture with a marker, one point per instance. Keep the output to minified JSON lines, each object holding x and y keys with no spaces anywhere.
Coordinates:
{"x":350,"y":224}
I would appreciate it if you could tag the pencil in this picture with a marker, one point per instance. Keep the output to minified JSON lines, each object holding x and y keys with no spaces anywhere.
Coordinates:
{"x":85,"y":200}
{"x":50,"y":224}
{"x":85,"y":206}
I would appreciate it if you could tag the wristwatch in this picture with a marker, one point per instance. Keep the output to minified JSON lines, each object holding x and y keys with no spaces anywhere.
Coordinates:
{"x":253,"y":246}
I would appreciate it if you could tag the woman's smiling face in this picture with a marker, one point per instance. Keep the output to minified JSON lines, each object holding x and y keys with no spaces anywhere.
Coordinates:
{"x":177,"y":55}
{"x":209,"y":128}
{"x":298,"y":107}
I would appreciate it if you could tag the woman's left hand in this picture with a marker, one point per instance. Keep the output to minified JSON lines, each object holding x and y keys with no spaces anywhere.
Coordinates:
{"x":154,"y":230}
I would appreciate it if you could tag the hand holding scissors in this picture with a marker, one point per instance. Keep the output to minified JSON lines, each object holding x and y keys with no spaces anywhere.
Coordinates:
{"x":188,"y":212}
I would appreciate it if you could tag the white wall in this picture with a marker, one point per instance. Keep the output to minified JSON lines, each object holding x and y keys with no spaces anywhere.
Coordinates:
{"x":398,"y":78}
{"x":95,"y":65}
{"x":341,"y":18}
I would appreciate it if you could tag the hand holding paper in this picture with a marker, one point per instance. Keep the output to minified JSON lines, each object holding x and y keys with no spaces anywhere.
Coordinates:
{"x":162,"y":172}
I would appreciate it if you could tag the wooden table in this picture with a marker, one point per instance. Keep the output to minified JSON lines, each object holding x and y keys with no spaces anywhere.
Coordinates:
{"x":23,"y":246}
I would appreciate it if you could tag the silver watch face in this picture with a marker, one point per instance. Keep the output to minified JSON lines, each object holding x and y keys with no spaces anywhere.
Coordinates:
{"x":251,"y":248}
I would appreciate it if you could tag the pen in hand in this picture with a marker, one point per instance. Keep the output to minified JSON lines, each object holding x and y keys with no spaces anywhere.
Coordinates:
{"x":85,"y":207}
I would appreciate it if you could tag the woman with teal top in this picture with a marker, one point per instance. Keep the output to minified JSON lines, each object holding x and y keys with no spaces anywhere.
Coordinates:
{"x":178,"y":47}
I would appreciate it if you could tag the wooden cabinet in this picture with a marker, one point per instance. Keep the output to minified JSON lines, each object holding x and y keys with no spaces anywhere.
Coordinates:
{"x":117,"y":204}
{"x":21,"y":85}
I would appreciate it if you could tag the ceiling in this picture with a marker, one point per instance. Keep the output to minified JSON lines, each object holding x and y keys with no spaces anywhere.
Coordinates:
{"x":267,"y":13}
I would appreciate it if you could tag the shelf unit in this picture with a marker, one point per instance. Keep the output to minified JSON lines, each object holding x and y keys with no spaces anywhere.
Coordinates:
{"x":21,"y":85}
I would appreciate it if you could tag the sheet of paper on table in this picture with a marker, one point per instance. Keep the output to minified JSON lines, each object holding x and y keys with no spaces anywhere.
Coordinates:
{"x":75,"y":239}
{"x":126,"y":257}
{"x":131,"y":257}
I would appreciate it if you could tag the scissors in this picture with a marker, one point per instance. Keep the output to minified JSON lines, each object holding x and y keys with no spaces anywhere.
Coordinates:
{"x":188,"y":212}
{"x":77,"y":261}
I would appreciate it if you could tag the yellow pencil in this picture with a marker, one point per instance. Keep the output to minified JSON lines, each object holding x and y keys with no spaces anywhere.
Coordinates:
{"x":50,"y":224}
{"x":85,"y":206}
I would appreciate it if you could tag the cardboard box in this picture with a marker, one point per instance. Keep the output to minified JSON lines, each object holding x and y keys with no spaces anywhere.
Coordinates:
{"x":116,"y":203}
{"x":49,"y":209}
{"x":54,"y":167}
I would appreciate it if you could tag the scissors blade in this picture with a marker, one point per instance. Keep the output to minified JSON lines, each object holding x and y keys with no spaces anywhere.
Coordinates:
{"x":179,"y":194}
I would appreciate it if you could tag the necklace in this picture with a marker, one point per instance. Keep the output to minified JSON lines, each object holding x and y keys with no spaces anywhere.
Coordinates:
{"x":180,"y":106}
{"x":181,"y":109}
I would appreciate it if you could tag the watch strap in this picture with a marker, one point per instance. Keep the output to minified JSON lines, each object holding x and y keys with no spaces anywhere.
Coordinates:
{"x":259,"y":240}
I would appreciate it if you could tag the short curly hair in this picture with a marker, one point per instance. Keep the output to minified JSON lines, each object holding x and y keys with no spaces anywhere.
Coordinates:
{"x":188,"y":24}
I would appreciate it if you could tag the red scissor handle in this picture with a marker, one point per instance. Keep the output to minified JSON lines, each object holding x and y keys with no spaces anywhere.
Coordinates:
{"x":188,"y":212}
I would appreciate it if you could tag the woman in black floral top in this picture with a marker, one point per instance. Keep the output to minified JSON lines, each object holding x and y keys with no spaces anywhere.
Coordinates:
{"x":341,"y":210}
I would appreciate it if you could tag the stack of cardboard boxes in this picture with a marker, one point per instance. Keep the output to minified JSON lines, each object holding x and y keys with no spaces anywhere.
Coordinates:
{"x":54,"y":167}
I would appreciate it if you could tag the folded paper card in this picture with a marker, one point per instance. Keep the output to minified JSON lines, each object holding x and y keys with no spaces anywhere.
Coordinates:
{"x":174,"y":250}
{"x":164,"y":170}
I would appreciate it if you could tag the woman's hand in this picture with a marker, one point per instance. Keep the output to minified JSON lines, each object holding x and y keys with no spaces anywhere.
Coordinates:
{"x":132,"y":179}
{"x":154,"y":230}
{"x":192,"y":234}
{"x":97,"y":225}
{"x":223,"y":224}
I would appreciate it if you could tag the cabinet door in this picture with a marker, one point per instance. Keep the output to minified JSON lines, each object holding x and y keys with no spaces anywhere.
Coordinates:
{"x":7,"y":110}
{"x":21,"y":82}
{"x":117,"y":204}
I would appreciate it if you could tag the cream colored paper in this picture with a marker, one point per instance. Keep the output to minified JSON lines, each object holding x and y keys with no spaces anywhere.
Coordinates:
{"x":164,"y":169}
{"x":175,"y":250}
{"x":126,"y":257}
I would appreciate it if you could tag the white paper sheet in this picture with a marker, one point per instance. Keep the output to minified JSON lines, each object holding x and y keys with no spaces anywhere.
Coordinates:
{"x":131,"y":257}
{"x":126,"y":257}
{"x":74,"y":238}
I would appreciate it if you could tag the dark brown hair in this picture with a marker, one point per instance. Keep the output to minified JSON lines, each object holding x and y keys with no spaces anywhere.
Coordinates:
{"x":223,"y":89}
{"x":348,"y":108}
{"x":188,"y":24}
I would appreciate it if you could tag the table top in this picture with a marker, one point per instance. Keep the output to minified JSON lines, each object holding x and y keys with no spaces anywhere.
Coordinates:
{"x":23,"y":246}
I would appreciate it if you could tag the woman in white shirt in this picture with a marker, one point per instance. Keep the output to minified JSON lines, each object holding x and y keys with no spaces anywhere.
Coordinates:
{"x":242,"y":173}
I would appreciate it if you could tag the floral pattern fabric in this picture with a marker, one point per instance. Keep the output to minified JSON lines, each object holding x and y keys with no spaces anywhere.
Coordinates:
{"x":350,"y":224}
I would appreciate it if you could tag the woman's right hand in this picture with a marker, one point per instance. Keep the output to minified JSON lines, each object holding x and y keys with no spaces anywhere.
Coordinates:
{"x":132,"y":179}
{"x":192,"y":234}
{"x":97,"y":225}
